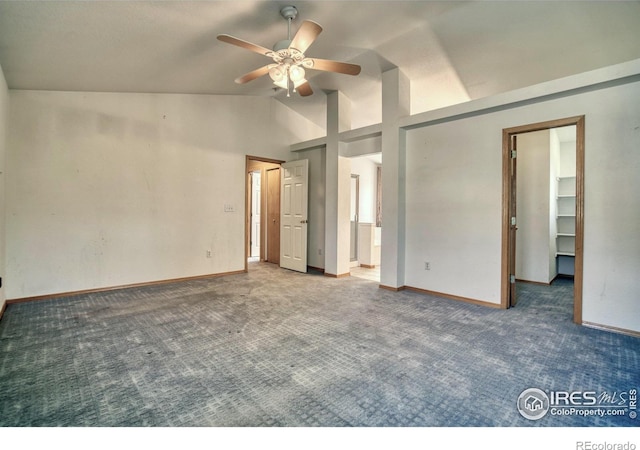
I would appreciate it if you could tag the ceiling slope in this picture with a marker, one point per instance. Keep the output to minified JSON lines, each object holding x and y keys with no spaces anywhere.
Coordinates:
{"x":451,"y":51}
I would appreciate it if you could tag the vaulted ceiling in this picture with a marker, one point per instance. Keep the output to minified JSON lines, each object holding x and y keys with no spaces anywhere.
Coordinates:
{"x":451,"y":51}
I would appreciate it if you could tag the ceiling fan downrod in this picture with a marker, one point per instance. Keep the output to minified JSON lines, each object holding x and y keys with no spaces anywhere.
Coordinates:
{"x":289,"y":12}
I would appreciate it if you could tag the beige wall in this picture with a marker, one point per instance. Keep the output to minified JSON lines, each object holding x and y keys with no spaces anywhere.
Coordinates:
{"x":454,"y":200}
{"x":4,"y":107}
{"x":113,"y":189}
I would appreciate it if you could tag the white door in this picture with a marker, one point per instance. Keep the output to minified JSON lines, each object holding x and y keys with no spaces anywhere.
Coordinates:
{"x":293,"y":215}
{"x":255,"y":214}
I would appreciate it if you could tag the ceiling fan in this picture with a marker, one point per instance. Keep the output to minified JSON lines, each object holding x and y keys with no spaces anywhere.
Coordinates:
{"x":289,"y":61}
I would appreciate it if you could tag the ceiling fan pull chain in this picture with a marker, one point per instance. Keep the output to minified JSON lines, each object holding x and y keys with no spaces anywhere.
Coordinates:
{"x":290,"y":81}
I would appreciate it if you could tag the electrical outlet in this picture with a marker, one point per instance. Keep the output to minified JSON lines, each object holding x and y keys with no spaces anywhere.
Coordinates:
{"x":427,"y":265}
{"x":208,"y":253}
{"x":229,"y":208}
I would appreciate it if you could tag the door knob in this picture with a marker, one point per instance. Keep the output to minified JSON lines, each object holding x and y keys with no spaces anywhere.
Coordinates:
{"x":304,"y":221}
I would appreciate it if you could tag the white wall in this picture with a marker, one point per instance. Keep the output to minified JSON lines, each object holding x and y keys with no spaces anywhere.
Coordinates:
{"x":554,"y":170}
{"x":292,"y":126}
{"x":368,"y":171}
{"x":4,"y":107}
{"x":567,"y":159}
{"x":453,"y":218}
{"x":111,"y":189}
{"x":362,"y":147}
{"x":533,"y":206}
{"x":454,"y":201}
{"x":344,"y":224}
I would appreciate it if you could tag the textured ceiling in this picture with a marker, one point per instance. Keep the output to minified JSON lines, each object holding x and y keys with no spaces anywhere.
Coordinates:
{"x":451,"y":51}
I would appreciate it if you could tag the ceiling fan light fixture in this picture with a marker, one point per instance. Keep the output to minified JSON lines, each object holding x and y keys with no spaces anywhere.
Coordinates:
{"x":297,"y":84}
{"x":278,"y":73}
{"x":296,"y":73}
{"x":284,"y":83}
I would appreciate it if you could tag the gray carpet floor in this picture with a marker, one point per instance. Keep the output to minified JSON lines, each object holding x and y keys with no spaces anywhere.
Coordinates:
{"x":275,"y":348}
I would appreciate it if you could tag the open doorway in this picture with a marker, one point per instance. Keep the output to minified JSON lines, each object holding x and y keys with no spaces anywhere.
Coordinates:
{"x":543,"y":219}
{"x":366,"y":219}
{"x":354,"y":218}
{"x":262,"y":210}
{"x":255,"y":179}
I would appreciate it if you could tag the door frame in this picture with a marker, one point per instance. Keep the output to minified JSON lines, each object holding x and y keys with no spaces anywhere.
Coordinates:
{"x":356,"y":177}
{"x":508,"y":249}
{"x":250,"y":164}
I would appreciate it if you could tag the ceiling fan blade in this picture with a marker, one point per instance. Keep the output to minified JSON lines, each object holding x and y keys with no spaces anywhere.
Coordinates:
{"x":304,"y":89}
{"x":333,"y":66}
{"x":244,"y":44}
{"x":307,"y":33}
{"x":253,"y":74}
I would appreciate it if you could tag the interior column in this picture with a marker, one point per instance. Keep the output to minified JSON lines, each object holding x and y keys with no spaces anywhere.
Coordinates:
{"x":395,"y":105}
{"x":337,"y":186}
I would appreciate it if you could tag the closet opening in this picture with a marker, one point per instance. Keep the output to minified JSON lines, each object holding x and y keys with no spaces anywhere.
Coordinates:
{"x":543,"y":220}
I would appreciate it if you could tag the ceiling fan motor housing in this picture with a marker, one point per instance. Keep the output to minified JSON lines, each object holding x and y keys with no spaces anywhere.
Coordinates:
{"x":281,"y":45}
{"x":289,"y":12}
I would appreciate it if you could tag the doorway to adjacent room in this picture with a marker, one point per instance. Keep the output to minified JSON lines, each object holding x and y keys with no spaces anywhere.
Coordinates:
{"x":366,"y":216}
{"x":564,"y":213}
{"x":262,"y":206}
